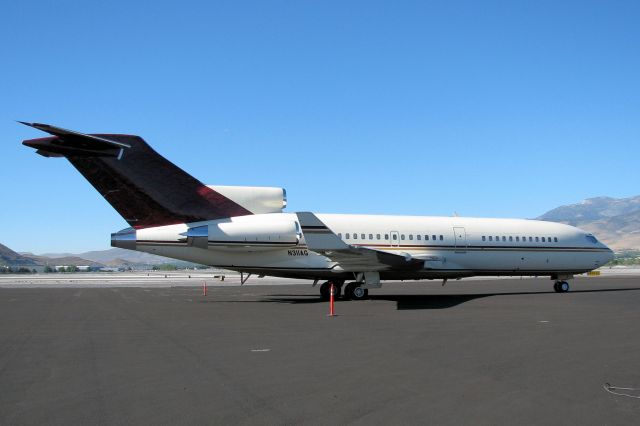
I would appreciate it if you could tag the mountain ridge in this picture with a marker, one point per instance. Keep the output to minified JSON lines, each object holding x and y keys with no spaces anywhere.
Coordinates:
{"x":615,"y":221}
{"x":9,"y":257}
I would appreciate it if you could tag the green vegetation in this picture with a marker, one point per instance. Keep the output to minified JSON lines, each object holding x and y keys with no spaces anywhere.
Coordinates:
{"x":625,"y":258}
{"x":165,"y":267}
{"x":20,"y":270}
{"x":625,"y":261}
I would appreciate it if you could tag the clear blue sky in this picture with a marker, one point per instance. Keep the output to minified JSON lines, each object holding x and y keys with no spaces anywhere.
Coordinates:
{"x":494,"y":108}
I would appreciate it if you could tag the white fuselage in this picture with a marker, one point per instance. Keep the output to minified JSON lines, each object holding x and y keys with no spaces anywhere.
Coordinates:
{"x":449,"y":246}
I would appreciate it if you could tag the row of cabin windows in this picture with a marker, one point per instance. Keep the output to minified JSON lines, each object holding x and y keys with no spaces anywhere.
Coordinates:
{"x":394,"y":237}
{"x":441,"y":238}
{"x":517,"y":239}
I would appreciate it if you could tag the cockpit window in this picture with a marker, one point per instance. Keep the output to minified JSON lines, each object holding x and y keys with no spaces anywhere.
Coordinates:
{"x":591,"y":238}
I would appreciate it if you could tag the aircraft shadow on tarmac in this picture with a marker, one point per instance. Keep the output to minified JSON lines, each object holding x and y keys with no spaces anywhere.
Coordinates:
{"x":421,"y":301}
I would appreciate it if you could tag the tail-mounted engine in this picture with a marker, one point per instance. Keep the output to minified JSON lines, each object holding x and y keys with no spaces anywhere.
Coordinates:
{"x":258,"y":232}
{"x":265,"y":234}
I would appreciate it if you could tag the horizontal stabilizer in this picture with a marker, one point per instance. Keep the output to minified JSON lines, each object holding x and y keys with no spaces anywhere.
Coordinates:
{"x":70,"y":143}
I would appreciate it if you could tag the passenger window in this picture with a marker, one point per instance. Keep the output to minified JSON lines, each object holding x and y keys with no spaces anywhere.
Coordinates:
{"x":497,"y":238}
{"x":347,"y":236}
{"x":402,"y":237}
{"x":339,"y":235}
{"x":484,"y":238}
{"x":418,"y":237}
{"x":490,"y":238}
{"x":510,"y":238}
{"x":530,"y":239}
{"x":537,"y":239}
{"x":377,"y":236}
{"x":362,"y":236}
{"x":433,"y":237}
{"x":426,"y":238}
{"x":543,"y":239}
{"x":371,"y":236}
{"x":411,"y":236}
{"x":555,"y":239}
{"x":386,"y":237}
{"x":504,"y":238}
{"x":394,"y":236}
{"x":517,"y":239}
{"x":441,"y":237}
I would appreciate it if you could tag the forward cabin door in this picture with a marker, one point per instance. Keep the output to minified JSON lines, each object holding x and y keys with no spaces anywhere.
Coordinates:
{"x":460,"y":239}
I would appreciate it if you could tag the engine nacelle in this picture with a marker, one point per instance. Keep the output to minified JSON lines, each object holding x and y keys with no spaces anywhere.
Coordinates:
{"x":253,"y":232}
{"x":256,"y":199}
{"x":258,"y":232}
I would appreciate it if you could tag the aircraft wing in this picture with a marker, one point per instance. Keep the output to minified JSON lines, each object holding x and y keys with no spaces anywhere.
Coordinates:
{"x":321,"y":239}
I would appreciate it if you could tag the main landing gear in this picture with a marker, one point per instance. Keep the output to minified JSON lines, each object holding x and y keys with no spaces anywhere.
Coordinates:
{"x":352,"y":291}
{"x":561,"y":286}
{"x":325,"y":289}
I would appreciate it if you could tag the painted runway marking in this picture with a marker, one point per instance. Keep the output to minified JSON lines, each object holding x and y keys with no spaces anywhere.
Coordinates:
{"x":260,"y":350}
{"x":543,"y":321}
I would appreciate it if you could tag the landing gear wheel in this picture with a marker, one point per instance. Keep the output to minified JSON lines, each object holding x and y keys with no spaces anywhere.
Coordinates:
{"x":555,"y":287}
{"x":353,"y":291}
{"x":360,"y":293}
{"x":325,"y":290}
{"x":561,"y":286}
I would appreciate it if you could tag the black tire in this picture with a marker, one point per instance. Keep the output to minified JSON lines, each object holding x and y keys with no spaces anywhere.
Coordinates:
{"x":563,"y":286}
{"x":359,"y":293}
{"x":556,"y":287}
{"x":325,"y":290}
{"x":338,"y":290}
{"x":348,"y":290}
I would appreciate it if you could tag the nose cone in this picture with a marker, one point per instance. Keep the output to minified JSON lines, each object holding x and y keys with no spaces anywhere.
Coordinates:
{"x":608,"y":256}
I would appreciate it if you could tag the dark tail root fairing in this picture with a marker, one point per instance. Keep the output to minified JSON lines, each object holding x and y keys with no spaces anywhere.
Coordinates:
{"x":144,"y":187}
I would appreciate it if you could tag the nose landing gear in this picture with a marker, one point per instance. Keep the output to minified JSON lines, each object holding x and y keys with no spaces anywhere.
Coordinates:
{"x":561,"y":286}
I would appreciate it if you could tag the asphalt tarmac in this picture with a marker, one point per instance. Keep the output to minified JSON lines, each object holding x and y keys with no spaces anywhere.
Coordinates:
{"x":481,"y":352}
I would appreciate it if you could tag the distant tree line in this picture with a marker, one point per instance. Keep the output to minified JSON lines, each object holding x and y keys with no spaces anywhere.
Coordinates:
{"x":625,"y":261}
{"x":16,"y":270}
{"x":178,"y":267}
{"x":61,"y":269}
{"x":165,"y":267}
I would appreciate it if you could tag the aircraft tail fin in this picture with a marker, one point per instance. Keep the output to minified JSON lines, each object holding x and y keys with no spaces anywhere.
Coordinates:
{"x":143,"y":186}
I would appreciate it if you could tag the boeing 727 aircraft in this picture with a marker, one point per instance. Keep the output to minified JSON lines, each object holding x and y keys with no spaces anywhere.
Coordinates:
{"x":245,"y":229}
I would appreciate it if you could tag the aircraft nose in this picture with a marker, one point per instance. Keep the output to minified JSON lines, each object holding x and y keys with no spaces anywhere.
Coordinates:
{"x":607,"y":255}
